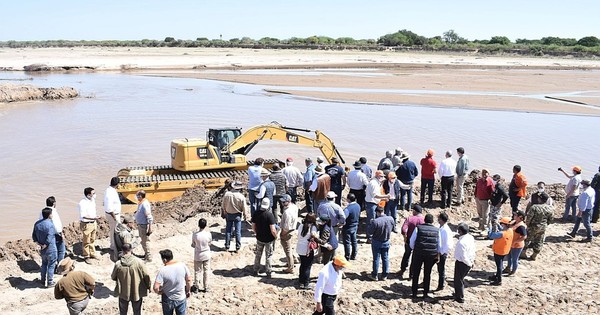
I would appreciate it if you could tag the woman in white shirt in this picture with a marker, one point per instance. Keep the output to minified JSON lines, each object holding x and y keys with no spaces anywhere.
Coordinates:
{"x":306,"y":231}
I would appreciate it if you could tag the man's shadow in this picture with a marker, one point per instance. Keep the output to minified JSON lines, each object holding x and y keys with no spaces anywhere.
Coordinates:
{"x":21,"y":284}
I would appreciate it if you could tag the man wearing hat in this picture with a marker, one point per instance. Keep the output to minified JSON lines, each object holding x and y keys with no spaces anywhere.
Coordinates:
{"x":502,"y":243}
{"x":428,"y":170}
{"x":406,"y":172}
{"x":333,"y":210}
{"x":338,"y":178}
{"x":585,"y":203}
{"x":123,"y":234}
{"x":234,"y":209}
{"x":75,"y":287}
{"x":572,"y":191}
{"x":263,"y":225}
{"x":294,"y":178}
{"x":309,"y":176}
{"x":320,"y":186}
{"x":112,"y":209}
{"x":357,"y":182}
{"x":373,"y":195}
{"x":329,"y":284}
{"x":321,"y":162}
{"x":266,"y":189}
{"x":289,"y":222}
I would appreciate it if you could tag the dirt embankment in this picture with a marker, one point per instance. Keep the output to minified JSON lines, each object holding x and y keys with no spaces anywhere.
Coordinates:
{"x":18,"y":93}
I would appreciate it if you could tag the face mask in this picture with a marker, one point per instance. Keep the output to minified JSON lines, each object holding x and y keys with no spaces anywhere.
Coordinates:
{"x":495,"y":182}
{"x":540,"y":190}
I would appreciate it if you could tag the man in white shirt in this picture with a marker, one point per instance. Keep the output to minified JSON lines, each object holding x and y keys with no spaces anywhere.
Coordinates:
{"x":358,"y":181}
{"x":87,"y":223}
{"x":329,"y":284}
{"x":112,"y":209}
{"x":289,"y":222}
{"x":447,"y":171}
{"x":444,"y":247}
{"x":58,"y":227}
{"x":465,"y":258}
{"x":294,"y":178}
{"x":373,"y":195}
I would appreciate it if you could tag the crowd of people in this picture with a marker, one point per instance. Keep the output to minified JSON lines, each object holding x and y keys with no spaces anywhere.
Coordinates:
{"x":271,"y":206}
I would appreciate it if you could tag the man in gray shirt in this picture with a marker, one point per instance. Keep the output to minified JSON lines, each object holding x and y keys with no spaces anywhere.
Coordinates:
{"x":381,"y":228}
{"x":173,"y":283}
{"x":462,"y":171}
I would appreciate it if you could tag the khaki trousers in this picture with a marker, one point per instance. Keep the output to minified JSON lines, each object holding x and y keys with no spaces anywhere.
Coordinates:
{"x":145,"y":240}
{"x":201,"y":267}
{"x":483,"y":210}
{"x":286,"y":243}
{"x":460,"y":188}
{"x":112,"y":223}
{"x":89,"y":237}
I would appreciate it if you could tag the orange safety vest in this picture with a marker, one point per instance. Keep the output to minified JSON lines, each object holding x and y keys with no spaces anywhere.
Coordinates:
{"x":521,"y":243}
{"x":502,"y":245}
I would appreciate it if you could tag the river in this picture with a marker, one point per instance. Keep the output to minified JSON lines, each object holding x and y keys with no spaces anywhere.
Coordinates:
{"x":60,"y":147}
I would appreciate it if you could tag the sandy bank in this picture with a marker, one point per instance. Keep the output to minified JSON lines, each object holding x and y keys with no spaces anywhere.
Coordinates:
{"x":18,"y":93}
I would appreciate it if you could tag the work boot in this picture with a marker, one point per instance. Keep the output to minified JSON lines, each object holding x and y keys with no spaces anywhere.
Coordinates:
{"x":523,"y":255}
{"x":533,"y":256}
{"x":506,"y":270}
{"x":572,"y":235}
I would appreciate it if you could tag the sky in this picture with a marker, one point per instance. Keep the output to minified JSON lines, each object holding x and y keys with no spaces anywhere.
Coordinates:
{"x":190,"y":19}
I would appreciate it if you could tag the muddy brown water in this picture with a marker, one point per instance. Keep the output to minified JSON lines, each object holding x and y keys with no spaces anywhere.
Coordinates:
{"x":59,"y":148}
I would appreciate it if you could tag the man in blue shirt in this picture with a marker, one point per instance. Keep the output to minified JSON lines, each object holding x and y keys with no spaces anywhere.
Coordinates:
{"x":406,"y":173}
{"x":308,"y":179}
{"x":44,"y":235}
{"x":381,"y":229}
{"x":352,"y":213}
{"x":585,"y":203}
{"x":338,"y":178}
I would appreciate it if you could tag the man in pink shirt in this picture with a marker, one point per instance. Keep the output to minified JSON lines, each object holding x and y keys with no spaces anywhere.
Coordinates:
{"x":408,"y":229}
{"x":484,"y":189}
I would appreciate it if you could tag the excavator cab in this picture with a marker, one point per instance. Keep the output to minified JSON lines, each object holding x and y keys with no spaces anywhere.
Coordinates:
{"x":222,"y":137}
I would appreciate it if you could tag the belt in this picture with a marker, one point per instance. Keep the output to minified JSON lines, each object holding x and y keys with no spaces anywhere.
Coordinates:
{"x":87,"y":222}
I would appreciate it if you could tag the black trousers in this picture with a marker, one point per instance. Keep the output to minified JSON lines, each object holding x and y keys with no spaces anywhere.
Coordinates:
{"x":360,"y":197}
{"x":427,"y":261}
{"x":447,"y":187}
{"x":405,"y":259}
{"x":596,"y":213}
{"x":460,"y":272}
{"x":441,"y":267}
{"x":328,"y":302}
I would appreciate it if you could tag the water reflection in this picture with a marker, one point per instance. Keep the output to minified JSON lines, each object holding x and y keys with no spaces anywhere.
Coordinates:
{"x":59,"y":148}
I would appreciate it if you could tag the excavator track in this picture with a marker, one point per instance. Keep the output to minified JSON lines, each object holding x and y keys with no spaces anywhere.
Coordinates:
{"x":162,"y":182}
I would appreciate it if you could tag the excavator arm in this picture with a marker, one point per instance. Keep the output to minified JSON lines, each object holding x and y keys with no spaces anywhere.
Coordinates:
{"x":275,"y":131}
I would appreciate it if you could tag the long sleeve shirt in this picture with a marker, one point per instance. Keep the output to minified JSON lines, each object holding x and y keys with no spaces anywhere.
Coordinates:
{"x":58,"y":226}
{"x":465,"y":250}
{"x":329,"y":282}
{"x":585,"y":201}
{"x":112,"y":202}
{"x":411,"y":223}
{"x":445,"y":244}
{"x":462,"y":166}
{"x":293,"y":176}
{"x":234,"y":202}
{"x":44,"y":234}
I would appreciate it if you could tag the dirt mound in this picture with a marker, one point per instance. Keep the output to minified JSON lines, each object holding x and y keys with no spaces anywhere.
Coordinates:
{"x":18,"y":93}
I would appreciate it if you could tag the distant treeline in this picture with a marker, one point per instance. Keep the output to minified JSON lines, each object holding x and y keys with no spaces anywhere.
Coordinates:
{"x":588,"y":46}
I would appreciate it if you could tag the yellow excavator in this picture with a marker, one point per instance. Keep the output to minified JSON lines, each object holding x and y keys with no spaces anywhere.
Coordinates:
{"x":210,"y":163}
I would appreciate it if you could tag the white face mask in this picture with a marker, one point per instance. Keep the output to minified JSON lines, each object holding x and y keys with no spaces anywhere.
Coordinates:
{"x":495,"y":182}
{"x":540,"y":190}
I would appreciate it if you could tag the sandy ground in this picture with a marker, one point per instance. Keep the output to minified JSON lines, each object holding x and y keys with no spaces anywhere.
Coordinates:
{"x":563,"y":280}
{"x":475,"y":81}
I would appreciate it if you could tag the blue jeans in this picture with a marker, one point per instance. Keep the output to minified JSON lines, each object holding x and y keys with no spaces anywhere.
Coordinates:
{"x":380,"y":249}
{"x":409,"y":196}
{"x":586,"y":218}
{"x":234,"y":221}
{"x":169,"y":306}
{"x":370,"y":208}
{"x":350,"y":242}
{"x":513,"y":259}
{"x":252,"y":197}
{"x":570,"y":203}
{"x":293,"y":192}
{"x":499,"y":260}
{"x":60,"y":246}
{"x":391,"y":208}
{"x":48,"y":265}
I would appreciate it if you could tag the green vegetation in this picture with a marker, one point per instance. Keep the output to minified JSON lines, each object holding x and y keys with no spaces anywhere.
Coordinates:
{"x":450,"y":41}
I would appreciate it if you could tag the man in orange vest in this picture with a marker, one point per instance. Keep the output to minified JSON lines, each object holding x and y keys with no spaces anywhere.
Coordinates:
{"x":520,"y":234}
{"x":501,"y":247}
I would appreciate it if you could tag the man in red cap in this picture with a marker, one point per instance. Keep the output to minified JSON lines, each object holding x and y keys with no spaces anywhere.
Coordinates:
{"x":428,"y":170}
